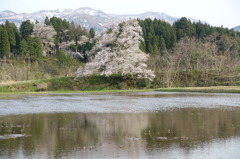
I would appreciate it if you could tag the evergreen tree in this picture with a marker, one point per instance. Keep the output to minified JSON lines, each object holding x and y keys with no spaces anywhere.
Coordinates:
{"x":184,"y":27}
{"x":149,"y":48}
{"x":30,"y":44}
{"x":162,"y":44}
{"x":57,"y":24}
{"x":155,"y":44}
{"x":11,"y":35}
{"x":60,"y":27}
{"x":24,"y":48}
{"x":65,"y":24}
{"x":91,"y":33}
{"x":47,"y":21}
{"x":26,"y":29}
{"x":153,"y":30}
{"x":16,"y":49}
{"x":149,"y":42}
{"x":173,"y":38}
{"x":31,"y":48}
{"x":5,"y":45}
{"x":37,"y":45}
{"x":143,"y":46}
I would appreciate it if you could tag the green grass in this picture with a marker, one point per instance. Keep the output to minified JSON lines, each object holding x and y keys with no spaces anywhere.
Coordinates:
{"x":214,"y":89}
{"x":69,"y":85}
{"x":94,"y":84}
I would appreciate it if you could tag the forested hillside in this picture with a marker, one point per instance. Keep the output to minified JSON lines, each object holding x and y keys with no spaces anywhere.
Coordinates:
{"x":160,"y":36}
{"x":191,"y":54}
{"x":183,"y":54}
{"x":38,"y":51}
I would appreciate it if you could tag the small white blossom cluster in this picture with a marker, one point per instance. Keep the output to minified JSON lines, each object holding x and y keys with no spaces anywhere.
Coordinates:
{"x":83,"y":39}
{"x":117,"y":52}
{"x":46,"y":34}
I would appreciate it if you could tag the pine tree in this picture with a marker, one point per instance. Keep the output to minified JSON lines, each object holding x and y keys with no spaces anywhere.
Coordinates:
{"x":162,"y":44}
{"x":153,"y":30}
{"x":143,"y":46}
{"x":24,"y":48}
{"x":26,"y":29}
{"x":149,"y":48}
{"x":30,"y":44}
{"x":91,"y":33}
{"x":173,"y":38}
{"x":47,"y":21}
{"x":155,"y":48}
{"x":184,"y":27}
{"x":149,"y":42}
{"x":155,"y":44}
{"x":60,"y":26}
{"x":16,"y":49}
{"x":11,"y":35}
{"x":37,"y":45}
{"x":5,"y":45}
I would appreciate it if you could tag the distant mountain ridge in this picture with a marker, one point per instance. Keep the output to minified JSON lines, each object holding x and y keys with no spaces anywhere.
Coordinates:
{"x":87,"y":17}
{"x":237,"y":28}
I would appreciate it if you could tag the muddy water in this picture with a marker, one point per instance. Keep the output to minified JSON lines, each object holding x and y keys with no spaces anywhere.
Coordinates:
{"x":120,"y":125}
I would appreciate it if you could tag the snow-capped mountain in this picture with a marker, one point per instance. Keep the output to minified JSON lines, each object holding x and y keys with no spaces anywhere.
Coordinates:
{"x":87,"y":17}
{"x":6,"y":13}
{"x":237,"y":28}
{"x":151,"y":15}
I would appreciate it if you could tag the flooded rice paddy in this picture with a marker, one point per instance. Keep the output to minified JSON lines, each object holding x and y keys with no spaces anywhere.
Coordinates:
{"x":120,"y":125}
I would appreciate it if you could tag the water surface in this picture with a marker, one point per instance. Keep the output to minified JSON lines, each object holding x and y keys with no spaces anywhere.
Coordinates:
{"x":120,"y":125}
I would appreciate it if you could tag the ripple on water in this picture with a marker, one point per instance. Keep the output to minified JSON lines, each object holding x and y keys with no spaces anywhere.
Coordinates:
{"x":12,"y":136}
{"x":115,"y":102}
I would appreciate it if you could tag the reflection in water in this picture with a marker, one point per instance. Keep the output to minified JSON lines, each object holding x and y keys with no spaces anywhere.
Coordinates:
{"x":181,"y":133}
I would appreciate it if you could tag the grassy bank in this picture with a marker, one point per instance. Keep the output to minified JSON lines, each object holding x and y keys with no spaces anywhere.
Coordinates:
{"x":86,"y":84}
{"x":100,"y":84}
{"x":213,"y":89}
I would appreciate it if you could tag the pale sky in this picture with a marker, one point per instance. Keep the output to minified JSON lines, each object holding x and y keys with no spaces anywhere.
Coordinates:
{"x":214,"y":12}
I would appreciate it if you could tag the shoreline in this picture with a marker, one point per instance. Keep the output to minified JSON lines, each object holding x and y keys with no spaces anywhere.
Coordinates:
{"x":212,"y":89}
{"x":65,"y":92}
{"x":99,"y":84}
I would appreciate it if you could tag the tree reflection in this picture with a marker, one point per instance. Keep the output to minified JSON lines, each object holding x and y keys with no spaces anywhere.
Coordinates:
{"x":55,"y":135}
{"x":188,"y":127}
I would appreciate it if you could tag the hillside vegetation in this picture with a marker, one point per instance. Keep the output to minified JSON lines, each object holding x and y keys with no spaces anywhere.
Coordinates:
{"x":191,"y":54}
{"x":65,"y":84}
{"x":162,"y":55}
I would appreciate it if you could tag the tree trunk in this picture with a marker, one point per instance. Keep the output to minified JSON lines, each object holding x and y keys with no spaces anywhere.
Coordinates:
{"x":28,"y":68}
{"x":5,"y":59}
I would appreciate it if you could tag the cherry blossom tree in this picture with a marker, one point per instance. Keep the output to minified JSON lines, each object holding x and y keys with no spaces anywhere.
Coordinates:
{"x":46,"y":33}
{"x":117,"y":52}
